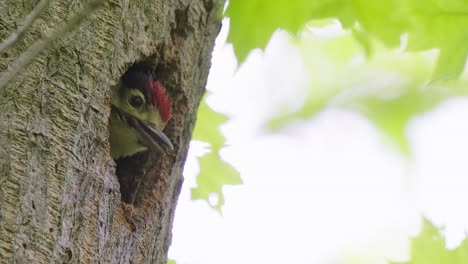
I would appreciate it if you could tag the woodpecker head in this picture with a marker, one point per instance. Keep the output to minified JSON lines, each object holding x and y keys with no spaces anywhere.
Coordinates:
{"x":141,"y":109}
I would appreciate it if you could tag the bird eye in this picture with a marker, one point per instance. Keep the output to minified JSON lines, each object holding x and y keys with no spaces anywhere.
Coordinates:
{"x":136,"y":101}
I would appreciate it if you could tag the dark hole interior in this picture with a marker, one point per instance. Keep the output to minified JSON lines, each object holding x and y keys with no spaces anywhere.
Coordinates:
{"x":130,"y":172}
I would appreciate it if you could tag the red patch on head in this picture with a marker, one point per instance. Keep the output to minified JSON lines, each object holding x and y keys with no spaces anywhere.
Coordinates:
{"x":160,"y":100}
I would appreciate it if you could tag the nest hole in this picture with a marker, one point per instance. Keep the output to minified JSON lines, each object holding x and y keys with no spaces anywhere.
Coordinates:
{"x":135,"y":173}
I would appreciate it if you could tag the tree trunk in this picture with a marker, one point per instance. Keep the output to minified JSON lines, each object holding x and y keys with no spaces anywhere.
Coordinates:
{"x":60,"y":198}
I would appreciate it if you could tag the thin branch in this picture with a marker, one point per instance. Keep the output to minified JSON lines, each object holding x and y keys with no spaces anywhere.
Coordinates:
{"x":33,"y":51}
{"x":21,"y":32}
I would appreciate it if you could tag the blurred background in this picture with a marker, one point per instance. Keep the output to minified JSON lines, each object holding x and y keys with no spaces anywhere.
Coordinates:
{"x":342,"y":154}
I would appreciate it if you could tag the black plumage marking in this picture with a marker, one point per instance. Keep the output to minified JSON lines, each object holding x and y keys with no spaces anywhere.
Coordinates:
{"x":138,"y":77}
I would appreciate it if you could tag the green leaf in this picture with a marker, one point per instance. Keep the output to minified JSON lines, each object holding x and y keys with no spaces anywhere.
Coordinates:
{"x":214,"y":172}
{"x":443,"y":25}
{"x":451,"y":62}
{"x":391,"y":116}
{"x":429,"y":248}
{"x":171,"y":261}
{"x":384,"y":20}
{"x":252,"y":22}
{"x":207,"y":126}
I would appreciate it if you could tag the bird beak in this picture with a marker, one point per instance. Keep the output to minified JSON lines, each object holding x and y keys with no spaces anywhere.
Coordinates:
{"x":150,"y":136}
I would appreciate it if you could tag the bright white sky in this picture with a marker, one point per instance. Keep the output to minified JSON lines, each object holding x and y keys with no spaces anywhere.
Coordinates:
{"x":322,"y":189}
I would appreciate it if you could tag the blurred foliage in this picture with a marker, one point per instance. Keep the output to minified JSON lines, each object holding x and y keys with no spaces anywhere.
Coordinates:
{"x":391,"y":61}
{"x":432,"y":24}
{"x":389,"y":87}
{"x":429,"y":247}
{"x":396,"y":59}
{"x":366,"y":69}
{"x":254,"y":21}
{"x":214,"y":172}
{"x":426,"y":248}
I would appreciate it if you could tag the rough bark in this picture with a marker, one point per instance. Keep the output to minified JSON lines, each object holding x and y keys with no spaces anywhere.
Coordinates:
{"x":60,"y":199}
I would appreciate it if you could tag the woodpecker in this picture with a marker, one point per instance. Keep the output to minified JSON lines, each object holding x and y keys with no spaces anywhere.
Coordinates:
{"x":140,"y":109}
